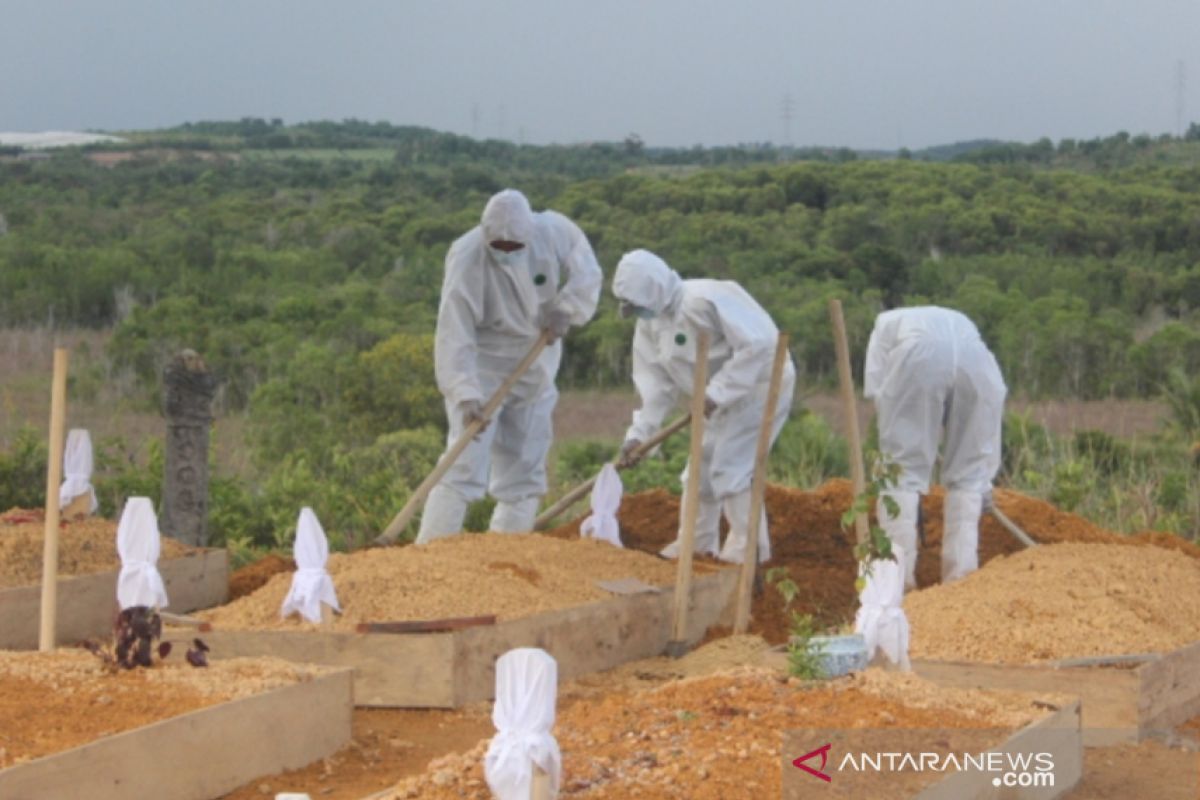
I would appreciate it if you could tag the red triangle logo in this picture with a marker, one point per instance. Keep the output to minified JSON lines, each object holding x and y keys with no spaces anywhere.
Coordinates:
{"x":823,"y":752}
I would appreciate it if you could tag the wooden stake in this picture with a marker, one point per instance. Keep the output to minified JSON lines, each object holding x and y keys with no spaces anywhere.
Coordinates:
{"x":58,"y":414}
{"x":401,"y":520}
{"x":850,"y":404}
{"x":570,"y":498}
{"x":691,"y":502}
{"x":539,"y":787}
{"x":758,"y":488}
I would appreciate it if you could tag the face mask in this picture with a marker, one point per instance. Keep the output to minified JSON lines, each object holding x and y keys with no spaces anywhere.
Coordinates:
{"x":628,"y":309}
{"x":515,"y":258}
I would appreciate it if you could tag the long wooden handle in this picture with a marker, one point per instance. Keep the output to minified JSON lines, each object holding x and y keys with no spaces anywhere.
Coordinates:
{"x":850,"y":404}
{"x":691,"y":494}
{"x":758,"y":488}
{"x":1012,"y":527}
{"x":401,"y":520}
{"x":58,"y":414}
{"x":570,"y":498}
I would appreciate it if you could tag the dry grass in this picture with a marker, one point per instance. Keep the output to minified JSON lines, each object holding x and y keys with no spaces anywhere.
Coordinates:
{"x":606,"y":414}
{"x":594,"y":414}
{"x":99,"y":398}
{"x":106,"y":408}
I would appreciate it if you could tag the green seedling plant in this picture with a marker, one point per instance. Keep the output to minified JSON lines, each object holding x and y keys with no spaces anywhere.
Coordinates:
{"x":804,"y":657}
{"x":877,"y":545}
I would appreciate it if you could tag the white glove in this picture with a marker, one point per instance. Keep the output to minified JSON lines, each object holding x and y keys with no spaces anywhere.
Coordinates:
{"x":628,"y":458}
{"x":472,"y":411}
{"x":556,"y":322}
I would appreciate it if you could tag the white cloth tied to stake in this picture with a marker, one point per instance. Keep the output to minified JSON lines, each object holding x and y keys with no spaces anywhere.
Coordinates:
{"x":138,"y":544}
{"x":606,"y":499}
{"x":77,"y":470}
{"x":526,"y":691}
{"x":880,"y":618}
{"x":311,"y":583}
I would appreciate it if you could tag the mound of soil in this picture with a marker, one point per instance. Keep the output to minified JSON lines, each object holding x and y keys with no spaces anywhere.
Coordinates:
{"x":85,"y":546}
{"x":509,"y":575}
{"x":718,"y":736}
{"x":248,"y":579}
{"x":808,"y":541}
{"x":78,"y":700}
{"x":1067,"y":600}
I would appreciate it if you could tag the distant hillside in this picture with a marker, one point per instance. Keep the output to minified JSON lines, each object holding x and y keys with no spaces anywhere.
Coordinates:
{"x":414,"y":146}
{"x":949,"y":152}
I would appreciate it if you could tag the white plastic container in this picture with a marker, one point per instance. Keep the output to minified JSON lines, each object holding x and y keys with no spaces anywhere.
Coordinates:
{"x":841,"y":655}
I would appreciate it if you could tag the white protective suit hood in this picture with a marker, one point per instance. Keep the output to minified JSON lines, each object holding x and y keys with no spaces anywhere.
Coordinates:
{"x":645,"y":280}
{"x":508,"y":217}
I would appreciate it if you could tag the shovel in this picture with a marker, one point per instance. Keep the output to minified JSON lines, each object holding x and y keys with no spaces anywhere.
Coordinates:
{"x":1012,"y":527}
{"x":570,"y":498}
{"x":401,"y":520}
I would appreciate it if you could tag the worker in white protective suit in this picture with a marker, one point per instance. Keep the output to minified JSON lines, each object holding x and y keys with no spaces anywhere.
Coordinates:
{"x":742,"y":338}
{"x":928,"y":370}
{"x":514,"y":275}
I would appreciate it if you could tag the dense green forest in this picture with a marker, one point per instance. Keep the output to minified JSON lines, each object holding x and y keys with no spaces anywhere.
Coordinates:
{"x":304,"y":262}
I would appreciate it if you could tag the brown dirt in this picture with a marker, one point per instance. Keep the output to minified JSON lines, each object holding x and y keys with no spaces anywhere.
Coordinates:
{"x":1060,"y":601}
{"x":85,"y":546}
{"x":386,"y":745}
{"x":389,"y":744}
{"x":1146,"y":770}
{"x":719,"y":736}
{"x":509,"y":575}
{"x":250,"y":578}
{"x":808,"y":541}
{"x":79,"y":700}
{"x":392,"y":744}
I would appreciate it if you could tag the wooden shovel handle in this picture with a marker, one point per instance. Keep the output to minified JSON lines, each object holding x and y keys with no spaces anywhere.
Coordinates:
{"x":570,"y":498}
{"x":401,"y":520}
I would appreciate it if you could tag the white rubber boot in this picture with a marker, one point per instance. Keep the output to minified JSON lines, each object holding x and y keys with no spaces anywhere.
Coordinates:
{"x":515,"y":517}
{"x":960,"y":534}
{"x":708,"y":531}
{"x":443,"y":516}
{"x":902,"y":529}
{"x":737,"y":511}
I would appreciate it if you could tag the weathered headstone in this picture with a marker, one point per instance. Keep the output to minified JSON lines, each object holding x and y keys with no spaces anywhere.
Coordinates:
{"x":188,"y":389}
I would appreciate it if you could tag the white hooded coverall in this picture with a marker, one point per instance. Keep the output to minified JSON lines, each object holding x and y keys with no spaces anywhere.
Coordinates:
{"x":491,"y":314}
{"x":927,"y":369}
{"x":742,"y":340}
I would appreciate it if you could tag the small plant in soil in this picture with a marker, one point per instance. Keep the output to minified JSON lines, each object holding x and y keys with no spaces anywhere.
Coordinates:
{"x":877,"y":546}
{"x":804,"y":657}
{"x":135,"y":631}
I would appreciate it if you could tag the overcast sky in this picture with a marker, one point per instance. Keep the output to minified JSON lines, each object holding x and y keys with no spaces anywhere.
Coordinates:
{"x":855,"y":73}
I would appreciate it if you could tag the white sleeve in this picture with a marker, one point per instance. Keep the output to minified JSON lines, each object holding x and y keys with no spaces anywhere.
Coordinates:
{"x":455,"y":343}
{"x":654,"y":385}
{"x":581,"y":279}
{"x":751,"y":339}
{"x":875,"y":367}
